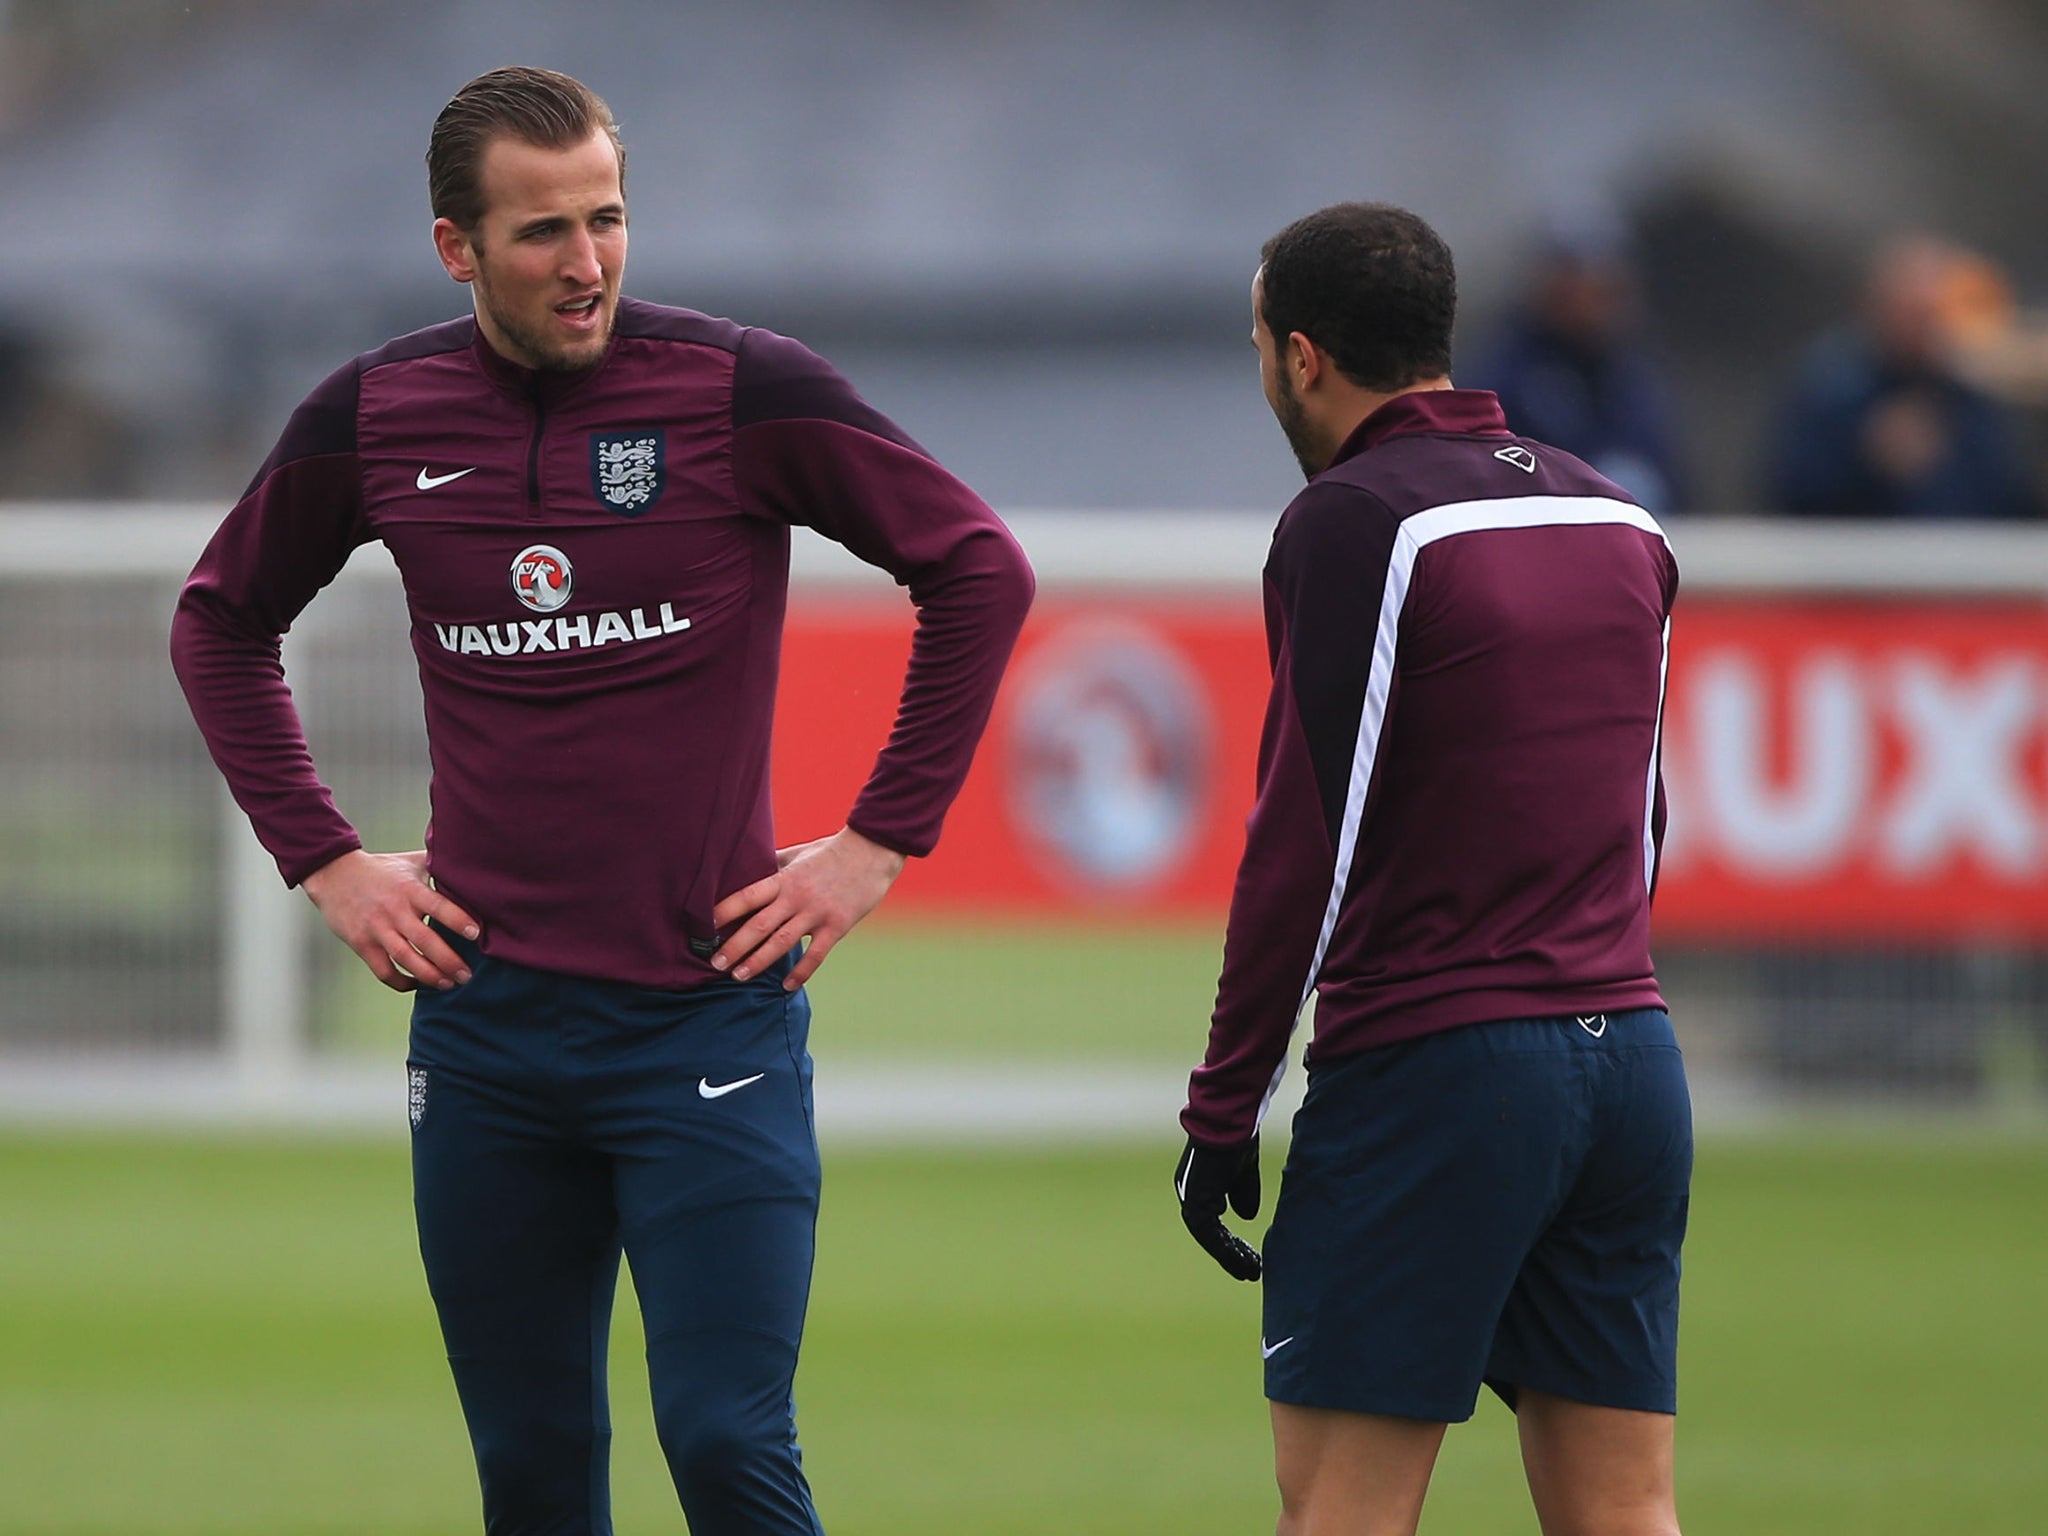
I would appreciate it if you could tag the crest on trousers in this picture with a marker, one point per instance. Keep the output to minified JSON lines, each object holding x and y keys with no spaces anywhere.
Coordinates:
{"x":626,"y":470}
{"x":416,"y":1095}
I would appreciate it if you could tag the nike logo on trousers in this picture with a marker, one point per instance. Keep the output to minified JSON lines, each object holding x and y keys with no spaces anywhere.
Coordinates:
{"x":709,"y":1090}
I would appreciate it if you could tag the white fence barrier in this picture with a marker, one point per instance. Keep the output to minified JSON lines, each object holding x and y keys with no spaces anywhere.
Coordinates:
{"x":151,"y":962}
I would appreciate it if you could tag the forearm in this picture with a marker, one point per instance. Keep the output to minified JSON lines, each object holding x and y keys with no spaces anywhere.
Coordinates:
{"x":1271,"y":948}
{"x":969,"y":613}
{"x":1268,"y":958}
{"x":234,"y":683}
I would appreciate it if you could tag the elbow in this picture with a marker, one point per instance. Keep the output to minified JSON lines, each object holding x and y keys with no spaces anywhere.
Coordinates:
{"x":1009,"y":569}
{"x":184,"y":637}
{"x":993,"y":565}
{"x":204,"y":629}
{"x":196,"y":624}
{"x":985,"y":572}
{"x":1021,"y":579}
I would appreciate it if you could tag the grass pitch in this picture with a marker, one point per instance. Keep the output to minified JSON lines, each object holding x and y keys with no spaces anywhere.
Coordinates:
{"x":215,"y":1337}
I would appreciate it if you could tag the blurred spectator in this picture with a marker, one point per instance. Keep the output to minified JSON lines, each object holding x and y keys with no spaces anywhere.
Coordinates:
{"x":1879,"y":422}
{"x":56,"y":440}
{"x":17,"y":378}
{"x":1570,"y":367}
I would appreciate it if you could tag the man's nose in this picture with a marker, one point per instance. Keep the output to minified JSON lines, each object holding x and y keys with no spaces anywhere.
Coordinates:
{"x":579,"y":261}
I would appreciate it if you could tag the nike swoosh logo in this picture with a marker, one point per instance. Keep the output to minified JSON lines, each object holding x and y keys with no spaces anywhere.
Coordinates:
{"x":710,"y":1090}
{"x":1268,"y":1351}
{"x":427,"y":482}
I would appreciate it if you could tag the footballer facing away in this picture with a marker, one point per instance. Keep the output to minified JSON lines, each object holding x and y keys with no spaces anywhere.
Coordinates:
{"x":1452,"y":849}
{"x":590,"y":499}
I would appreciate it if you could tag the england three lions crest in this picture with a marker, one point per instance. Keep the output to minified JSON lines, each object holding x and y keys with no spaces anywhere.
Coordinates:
{"x":626,"y":470}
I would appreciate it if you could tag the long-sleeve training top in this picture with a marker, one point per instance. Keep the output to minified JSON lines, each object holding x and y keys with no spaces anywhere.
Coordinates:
{"x":1459,"y":807}
{"x":596,"y":566}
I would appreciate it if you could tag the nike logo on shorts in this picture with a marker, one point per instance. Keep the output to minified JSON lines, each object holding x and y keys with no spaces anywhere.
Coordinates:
{"x":706,"y":1089}
{"x":1268,"y":1351}
{"x":427,"y":482}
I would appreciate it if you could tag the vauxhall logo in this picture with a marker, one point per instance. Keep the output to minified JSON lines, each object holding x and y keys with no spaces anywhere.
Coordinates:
{"x":542,"y":579}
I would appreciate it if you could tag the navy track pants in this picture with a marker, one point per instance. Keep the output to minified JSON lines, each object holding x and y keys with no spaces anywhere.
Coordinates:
{"x":559,"y":1120}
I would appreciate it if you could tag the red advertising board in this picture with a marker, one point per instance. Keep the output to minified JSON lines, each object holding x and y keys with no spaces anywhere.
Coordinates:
{"x":1852,"y":769}
{"x":1857,"y":768}
{"x":1115,"y":776}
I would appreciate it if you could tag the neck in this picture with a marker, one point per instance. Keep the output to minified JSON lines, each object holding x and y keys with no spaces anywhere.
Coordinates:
{"x":1344,"y":414}
{"x":495,"y":338}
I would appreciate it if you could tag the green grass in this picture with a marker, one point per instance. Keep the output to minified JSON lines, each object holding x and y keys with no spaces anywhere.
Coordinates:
{"x":1057,"y":993}
{"x":214,"y":1337}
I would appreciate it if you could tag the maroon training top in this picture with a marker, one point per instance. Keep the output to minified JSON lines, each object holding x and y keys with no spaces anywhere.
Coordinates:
{"x":596,"y":566}
{"x":1459,"y":808}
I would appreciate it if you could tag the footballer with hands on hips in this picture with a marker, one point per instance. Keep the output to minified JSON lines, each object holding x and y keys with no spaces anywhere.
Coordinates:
{"x":1452,"y":850}
{"x":589,"y":499}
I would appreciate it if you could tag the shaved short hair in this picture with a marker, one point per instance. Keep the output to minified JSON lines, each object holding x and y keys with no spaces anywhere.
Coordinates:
{"x":1371,"y":284}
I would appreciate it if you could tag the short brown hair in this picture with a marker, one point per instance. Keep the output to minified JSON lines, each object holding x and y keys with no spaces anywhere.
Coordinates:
{"x":540,"y":107}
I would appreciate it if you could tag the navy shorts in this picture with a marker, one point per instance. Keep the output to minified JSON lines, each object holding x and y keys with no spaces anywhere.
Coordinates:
{"x":1499,"y":1204}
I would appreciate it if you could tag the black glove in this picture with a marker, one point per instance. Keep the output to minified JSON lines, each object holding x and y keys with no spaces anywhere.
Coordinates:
{"x":1206,"y":1178}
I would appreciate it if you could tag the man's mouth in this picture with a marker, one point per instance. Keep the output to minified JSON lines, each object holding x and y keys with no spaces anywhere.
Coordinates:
{"x":580,"y":311}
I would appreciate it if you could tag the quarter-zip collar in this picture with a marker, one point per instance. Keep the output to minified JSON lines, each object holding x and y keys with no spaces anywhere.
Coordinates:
{"x":545,"y":385}
{"x":1470,"y":411}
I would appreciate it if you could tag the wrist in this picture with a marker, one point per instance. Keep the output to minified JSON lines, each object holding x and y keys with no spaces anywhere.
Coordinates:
{"x":320,"y":878}
{"x":887,"y":859}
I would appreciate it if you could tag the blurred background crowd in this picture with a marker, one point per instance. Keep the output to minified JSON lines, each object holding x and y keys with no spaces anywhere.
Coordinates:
{"x":1778,"y":256}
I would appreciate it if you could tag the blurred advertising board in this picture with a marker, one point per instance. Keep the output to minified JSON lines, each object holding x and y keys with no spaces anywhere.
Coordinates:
{"x":1115,"y":776}
{"x":1859,"y":767}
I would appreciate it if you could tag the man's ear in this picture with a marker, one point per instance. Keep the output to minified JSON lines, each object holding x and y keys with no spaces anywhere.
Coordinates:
{"x":1305,"y":361}
{"x":453,"y":246}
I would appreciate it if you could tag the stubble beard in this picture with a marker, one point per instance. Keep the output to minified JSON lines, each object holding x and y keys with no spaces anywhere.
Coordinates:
{"x":547,"y":356}
{"x":1300,"y":434}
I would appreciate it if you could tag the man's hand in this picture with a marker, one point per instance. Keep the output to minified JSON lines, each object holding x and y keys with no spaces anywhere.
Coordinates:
{"x":1206,"y":1179}
{"x":820,"y":889}
{"x":378,"y":905}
